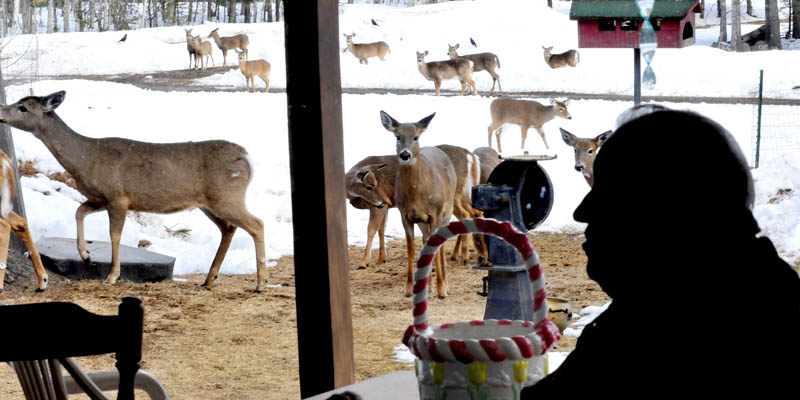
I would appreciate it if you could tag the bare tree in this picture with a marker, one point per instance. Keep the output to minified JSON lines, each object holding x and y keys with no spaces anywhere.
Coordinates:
{"x":15,"y":17}
{"x":736,"y":25}
{"x":49,"y":16}
{"x":750,"y":8}
{"x":27,"y":18}
{"x":773,"y":24}
{"x":65,"y":12}
{"x":190,"y":18}
{"x":208,"y":10}
{"x":144,"y":12}
{"x":723,"y":23}
{"x":795,"y":18}
{"x":268,"y":11}
{"x":278,"y":10}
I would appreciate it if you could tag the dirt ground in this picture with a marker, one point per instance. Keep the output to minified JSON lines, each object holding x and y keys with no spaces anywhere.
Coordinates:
{"x":227,"y":343}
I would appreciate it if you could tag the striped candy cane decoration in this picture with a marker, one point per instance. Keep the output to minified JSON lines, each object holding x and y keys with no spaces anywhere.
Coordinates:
{"x":542,"y":337}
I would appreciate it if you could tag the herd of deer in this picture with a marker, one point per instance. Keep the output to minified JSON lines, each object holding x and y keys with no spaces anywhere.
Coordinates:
{"x":427,"y":184}
{"x":200,"y":51}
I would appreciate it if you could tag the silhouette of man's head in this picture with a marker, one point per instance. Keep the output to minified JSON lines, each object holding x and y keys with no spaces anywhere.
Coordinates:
{"x":667,"y":183}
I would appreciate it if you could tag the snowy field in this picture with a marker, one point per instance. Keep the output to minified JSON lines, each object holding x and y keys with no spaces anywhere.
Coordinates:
{"x":515,"y":30}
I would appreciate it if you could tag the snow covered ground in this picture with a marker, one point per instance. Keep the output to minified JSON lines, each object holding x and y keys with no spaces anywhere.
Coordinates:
{"x":513,"y":29}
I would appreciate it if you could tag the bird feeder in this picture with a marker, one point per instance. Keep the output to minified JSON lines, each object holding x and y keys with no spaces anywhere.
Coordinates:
{"x":518,"y":191}
{"x":625,"y":23}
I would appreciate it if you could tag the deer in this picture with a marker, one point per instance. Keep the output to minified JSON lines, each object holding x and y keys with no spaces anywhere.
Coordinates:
{"x":489,"y":160}
{"x":202,"y":52}
{"x":370,"y":185}
{"x":437,"y":71}
{"x":118,"y":175}
{"x":570,"y":57}
{"x":226,"y":43}
{"x":424,"y":190}
{"x":190,"y":47}
{"x":480,"y":62}
{"x":251,"y":69}
{"x":468,"y":173}
{"x":13,"y":222}
{"x":525,"y":113}
{"x":585,"y":151}
{"x":363,"y":51}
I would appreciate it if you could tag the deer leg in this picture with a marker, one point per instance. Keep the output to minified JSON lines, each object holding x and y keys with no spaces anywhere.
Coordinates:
{"x":374,"y":224}
{"x":224,"y":57}
{"x":474,"y":88}
{"x":239,"y":216}
{"x":408,"y":227}
{"x":492,"y":128}
{"x":266,"y":82}
{"x":437,"y":83}
{"x":544,"y":139}
{"x":83,"y":210}
{"x":463,"y":86}
{"x":497,"y":136}
{"x":524,"y":129}
{"x":20,"y":228}
{"x":227,"y":230}
{"x":5,"y":236}
{"x":382,"y":252}
{"x":116,"y":218}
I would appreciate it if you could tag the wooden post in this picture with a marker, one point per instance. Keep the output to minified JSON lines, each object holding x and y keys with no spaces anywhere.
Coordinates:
{"x":313,"y":92}
{"x":637,"y":77}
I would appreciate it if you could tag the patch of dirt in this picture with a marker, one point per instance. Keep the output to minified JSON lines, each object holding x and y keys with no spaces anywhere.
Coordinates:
{"x":229,"y":343}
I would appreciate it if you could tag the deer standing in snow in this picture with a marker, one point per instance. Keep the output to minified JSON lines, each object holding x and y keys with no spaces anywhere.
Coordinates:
{"x":437,"y":71}
{"x":525,"y":113}
{"x":480,"y":62}
{"x":226,"y":43}
{"x":118,"y":175}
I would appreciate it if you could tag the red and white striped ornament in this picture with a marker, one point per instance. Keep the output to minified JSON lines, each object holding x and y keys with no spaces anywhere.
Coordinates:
{"x":525,"y":339}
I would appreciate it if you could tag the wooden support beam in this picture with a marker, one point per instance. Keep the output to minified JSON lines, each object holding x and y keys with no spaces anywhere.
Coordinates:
{"x":313,"y":92}
{"x":637,"y":77}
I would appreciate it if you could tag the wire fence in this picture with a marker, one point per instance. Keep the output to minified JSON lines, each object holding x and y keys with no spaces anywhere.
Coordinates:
{"x":19,"y":61}
{"x":776,"y":128}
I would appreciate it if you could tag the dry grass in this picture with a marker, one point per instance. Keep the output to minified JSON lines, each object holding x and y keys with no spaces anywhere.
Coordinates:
{"x":227,"y":343}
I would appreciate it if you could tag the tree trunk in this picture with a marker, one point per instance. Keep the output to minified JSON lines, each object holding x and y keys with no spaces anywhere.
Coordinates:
{"x":50,"y":16}
{"x":750,"y":8}
{"x":796,"y":18}
{"x":723,"y":22}
{"x":247,"y":11}
{"x":208,"y":10}
{"x":231,"y":12}
{"x":268,"y":10}
{"x":216,"y":10}
{"x":736,"y":25}
{"x":773,"y":24}
{"x":90,"y":15}
{"x":15,"y":17}
{"x":65,"y":12}
{"x":144,"y":13}
{"x":190,"y":18}
{"x":27,"y":18}
{"x":702,"y":8}
{"x":278,"y":10}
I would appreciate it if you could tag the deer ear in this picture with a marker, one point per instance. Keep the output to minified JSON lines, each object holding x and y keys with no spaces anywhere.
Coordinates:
{"x":552,"y":100}
{"x":566,"y":102}
{"x":567,"y":137}
{"x":380,"y":167}
{"x":425,"y":53}
{"x":361,"y":175}
{"x":52,"y":101}
{"x":456,"y":46}
{"x":388,"y":122}
{"x":423,"y":123}
{"x":601,"y":138}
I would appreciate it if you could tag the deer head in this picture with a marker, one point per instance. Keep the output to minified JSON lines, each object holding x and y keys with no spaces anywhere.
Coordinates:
{"x":27,"y":114}
{"x":451,"y":50}
{"x":585,"y":152}
{"x":421,"y":57}
{"x":407,"y":135}
{"x":366,"y":186}
{"x":560,"y":108}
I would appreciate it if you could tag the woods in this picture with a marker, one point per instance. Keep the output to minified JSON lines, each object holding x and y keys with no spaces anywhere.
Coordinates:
{"x":48,"y":16}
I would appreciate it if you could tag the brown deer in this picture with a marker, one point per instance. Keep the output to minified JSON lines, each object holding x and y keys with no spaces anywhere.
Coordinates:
{"x":13,"y":222}
{"x":118,"y":175}
{"x":190,"y":47}
{"x":239,"y":41}
{"x":570,"y":57}
{"x":370,"y":185}
{"x":480,"y":62}
{"x":489,"y":160}
{"x":202,"y":51}
{"x":424,"y":191}
{"x":437,"y":71}
{"x":525,"y":113}
{"x":251,"y":69}
{"x":468,"y":174}
{"x":363,"y":51}
{"x":585,"y":151}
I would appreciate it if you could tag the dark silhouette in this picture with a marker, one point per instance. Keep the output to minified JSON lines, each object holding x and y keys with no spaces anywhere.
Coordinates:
{"x":374,"y":23}
{"x":700,"y":304}
{"x":123,"y":38}
{"x":473,"y":42}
